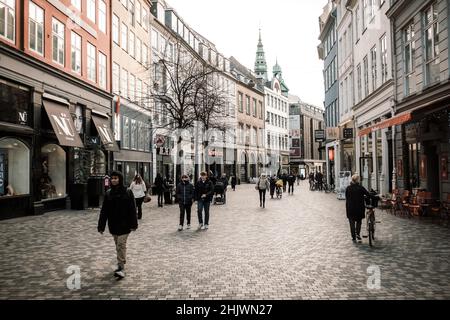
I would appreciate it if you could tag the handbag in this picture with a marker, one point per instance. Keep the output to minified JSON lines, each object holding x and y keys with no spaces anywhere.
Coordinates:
{"x":147,"y":199}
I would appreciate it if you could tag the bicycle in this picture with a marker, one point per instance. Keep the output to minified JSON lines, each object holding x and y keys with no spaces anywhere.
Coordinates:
{"x":328,"y":187}
{"x":371,"y":204}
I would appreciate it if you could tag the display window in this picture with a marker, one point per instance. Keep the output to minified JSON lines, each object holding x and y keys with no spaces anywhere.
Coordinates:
{"x":14,"y":168}
{"x":52,"y":183}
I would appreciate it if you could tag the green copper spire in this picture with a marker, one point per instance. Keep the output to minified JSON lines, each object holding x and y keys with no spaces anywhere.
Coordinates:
{"x":277,"y":70}
{"x":260,"y":63}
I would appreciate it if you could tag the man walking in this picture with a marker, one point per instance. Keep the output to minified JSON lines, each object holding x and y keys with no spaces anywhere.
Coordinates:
{"x":355,"y":206}
{"x":119,"y":210}
{"x":291,"y":181}
{"x":204,"y":195}
{"x":185,"y":196}
{"x":224,"y":180}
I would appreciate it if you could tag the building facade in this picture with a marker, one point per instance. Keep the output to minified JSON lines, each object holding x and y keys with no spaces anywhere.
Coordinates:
{"x":328,"y":53}
{"x":131,"y":80}
{"x":421,"y":119}
{"x":250,"y":119}
{"x":55,"y":136}
{"x":306,"y":154}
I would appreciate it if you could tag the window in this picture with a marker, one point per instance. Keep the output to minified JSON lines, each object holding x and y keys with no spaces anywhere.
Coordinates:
{"x":432,"y":50}
{"x":124,"y":3}
{"x":8,"y":19}
{"x":366,"y":76}
{"x":162,"y":43}
{"x":373,"y":54}
{"x":247,"y":104}
{"x":144,"y":18}
{"x":58,"y":41}
{"x":409,"y":56}
{"x":91,"y":10}
{"x":75,"y":52}
{"x":138,"y":50}
{"x":144,"y":55}
{"x":359,"y":82}
{"x":91,"y":65}
{"x":138,"y":12}
{"x":124,"y":83}
{"x":357,"y":22}
{"x":255,"y":108}
{"x":102,"y":70}
{"x":365,"y":17}
{"x":131,"y":44}
{"x":241,"y":102}
{"x":14,"y":167}
{"x":132,"y":88}
{"x":126,"y":133}
{"x":154,"y":39}
{"x":124,"y":39}
{"x":116,"y":78}
{"x":36,"y":28}
{"x":139,"y":91}
{"x":76,"y":4}
{"x":261,"y":113}
{"x":384,"y":57}
{"x":102,"y":16}
{"x":131,"y":12}
{"x":53,"y":179}
{"x":115,"y":29}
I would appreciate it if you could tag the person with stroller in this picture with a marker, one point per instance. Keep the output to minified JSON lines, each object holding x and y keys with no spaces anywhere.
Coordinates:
{"x":185,"y":197}
{"x":279,"y":188}
{"x":219,"y":192}
{"x":262,"y":186}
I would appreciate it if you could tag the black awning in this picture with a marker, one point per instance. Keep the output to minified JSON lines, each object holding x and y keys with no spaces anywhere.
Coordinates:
{"x":62,"y":124}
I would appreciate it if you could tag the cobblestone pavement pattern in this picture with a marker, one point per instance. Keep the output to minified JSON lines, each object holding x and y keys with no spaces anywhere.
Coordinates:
{"x":297,"y":248}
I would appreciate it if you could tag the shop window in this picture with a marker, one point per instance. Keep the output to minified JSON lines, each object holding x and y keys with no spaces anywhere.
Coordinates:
{"x":14,"y":167}
{"x":414,"y":152}
{"x":52,"y":183}
{"x":18,"y":100}
{"x":98,"y":163}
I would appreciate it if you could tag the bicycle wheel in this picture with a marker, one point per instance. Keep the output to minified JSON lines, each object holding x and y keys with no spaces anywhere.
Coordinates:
{"x":370,"y":234}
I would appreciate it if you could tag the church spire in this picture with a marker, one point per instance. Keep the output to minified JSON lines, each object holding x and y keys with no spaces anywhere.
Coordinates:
{"x":260,"y":62}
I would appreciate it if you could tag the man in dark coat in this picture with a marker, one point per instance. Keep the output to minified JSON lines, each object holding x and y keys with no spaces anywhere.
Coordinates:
{"x":233,"y":183}
{"x":119,"y":210}
{"x":204,"y":190}
{"x":185,"y":197}
{"x":291,"y":181}
{"x":355,"y":205}
{"x":224,"y":180}
{"x":159,"y":188}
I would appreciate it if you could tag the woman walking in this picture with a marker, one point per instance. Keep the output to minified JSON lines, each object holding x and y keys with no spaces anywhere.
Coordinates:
{"x":139,"y":190}
{"x":262,"y":186}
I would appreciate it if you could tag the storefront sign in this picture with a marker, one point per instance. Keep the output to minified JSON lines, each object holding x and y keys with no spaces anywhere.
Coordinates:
{"x":319,"y":135}
{"x":23,"y":117}
{"x":332,"y":133}
{"x":103,"y":126}
{"x":215,"y":153}
{"x":348,"y":133}
{"x":62,"y":124}
{"x":394,"y":121}
{"x":444,"y":166}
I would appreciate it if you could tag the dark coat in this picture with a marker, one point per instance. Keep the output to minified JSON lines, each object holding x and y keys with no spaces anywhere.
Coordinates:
{"x":355,"y":204}
{"x":233,"y":181}
{"x":291,"y":179}
{"x":185,"y":193}
{"x":159,"y":184}
{"x":119,"y":210}
{"x":224,"y":180}
{"x":202,"y":188}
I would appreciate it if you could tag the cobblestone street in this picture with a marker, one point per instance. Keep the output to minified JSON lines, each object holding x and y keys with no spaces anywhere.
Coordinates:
{"x":297,"y":248}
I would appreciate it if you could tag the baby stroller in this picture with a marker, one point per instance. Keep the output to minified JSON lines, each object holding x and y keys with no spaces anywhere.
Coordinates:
{"x":219,"y":193}
{"x":279,"y":189}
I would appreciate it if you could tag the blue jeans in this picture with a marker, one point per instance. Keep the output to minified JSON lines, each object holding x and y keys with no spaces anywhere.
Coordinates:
{"x":200,"y":205}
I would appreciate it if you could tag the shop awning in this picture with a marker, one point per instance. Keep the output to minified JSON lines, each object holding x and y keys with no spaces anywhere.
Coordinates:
{"x":104,"y":131}
{"x":394,"y":121}
{"x":62,"y":124}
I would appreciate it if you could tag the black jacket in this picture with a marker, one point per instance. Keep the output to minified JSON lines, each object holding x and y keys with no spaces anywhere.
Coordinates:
{"x":291,"y":179}
{"x":159,"y":184}
{"x":202,"y":188}
{"x":233,"y":181}
{"x":355,"y":204}
{"x":224,"y":180}
{"x":185,"y":193}
{"x":119,"y":210}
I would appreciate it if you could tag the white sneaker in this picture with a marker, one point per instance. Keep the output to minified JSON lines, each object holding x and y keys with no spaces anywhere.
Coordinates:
{"x":206,"y":227}
{"x":180,"y":228}
{"x":120,"y":274}
{"x":203,"y":227}
{"x":200,"y":226}
{"x":188,"y":226}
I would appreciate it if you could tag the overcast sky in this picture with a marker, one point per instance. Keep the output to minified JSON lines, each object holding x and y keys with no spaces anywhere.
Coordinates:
{"x":290,"y":31}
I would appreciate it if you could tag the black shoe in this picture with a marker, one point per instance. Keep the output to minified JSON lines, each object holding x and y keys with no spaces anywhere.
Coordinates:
{"x":118,"y":272}
{"x":358,"y":237}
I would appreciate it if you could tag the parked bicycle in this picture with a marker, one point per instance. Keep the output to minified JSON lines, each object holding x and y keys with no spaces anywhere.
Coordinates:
{"x":328,"y":187}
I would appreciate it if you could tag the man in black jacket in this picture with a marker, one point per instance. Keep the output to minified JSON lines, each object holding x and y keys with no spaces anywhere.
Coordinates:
{"x":355,"y":206}
{"x":119,"y":210}
{"x":224,"y":180}
{"x":203,"y":194}
{"x":185,"y":197}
